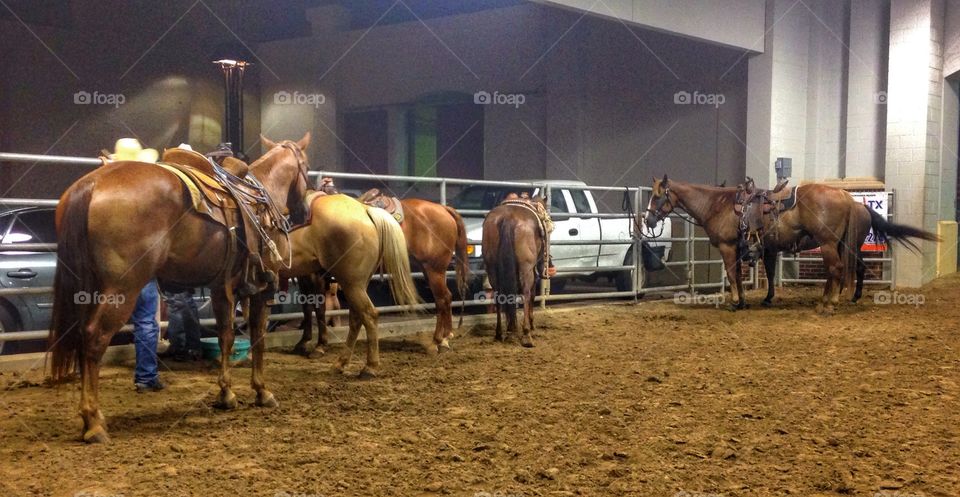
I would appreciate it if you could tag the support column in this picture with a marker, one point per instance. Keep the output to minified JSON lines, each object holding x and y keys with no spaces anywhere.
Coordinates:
{"x":914,"y":104}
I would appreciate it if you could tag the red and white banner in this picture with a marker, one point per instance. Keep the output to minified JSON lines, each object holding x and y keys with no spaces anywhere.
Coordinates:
{"x":878,"y":202}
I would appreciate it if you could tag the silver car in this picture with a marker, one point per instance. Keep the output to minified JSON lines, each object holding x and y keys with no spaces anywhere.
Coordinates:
{"x":26,"y":269}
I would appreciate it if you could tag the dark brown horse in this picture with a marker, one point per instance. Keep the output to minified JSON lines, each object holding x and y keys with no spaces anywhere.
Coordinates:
{"x":434,"y":235}
{"x":824,"y":216}
{"x":513,"y":250}
{"x":129,"y":222}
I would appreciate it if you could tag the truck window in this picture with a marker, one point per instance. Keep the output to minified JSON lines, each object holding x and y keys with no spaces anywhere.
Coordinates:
{"x":580,"y":201}
{"x":557,"y":202}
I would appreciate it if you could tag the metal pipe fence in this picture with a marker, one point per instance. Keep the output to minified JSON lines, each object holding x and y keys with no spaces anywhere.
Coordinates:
{"x":688,"y":242}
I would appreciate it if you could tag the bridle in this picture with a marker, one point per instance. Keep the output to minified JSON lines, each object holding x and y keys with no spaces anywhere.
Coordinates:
{"x":657,"y":210}
{"x":301,"y":159}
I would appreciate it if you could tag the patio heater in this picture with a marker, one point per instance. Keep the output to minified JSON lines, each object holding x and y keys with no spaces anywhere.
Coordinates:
{"x":233,"y":68}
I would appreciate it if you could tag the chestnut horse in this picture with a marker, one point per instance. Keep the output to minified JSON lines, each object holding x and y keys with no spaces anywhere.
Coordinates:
{"x":823,"y":216}
{"x":513,"y":243}
{"x":128,"y":222}
{"x":435,"y":234}
{"x":349,"y":241}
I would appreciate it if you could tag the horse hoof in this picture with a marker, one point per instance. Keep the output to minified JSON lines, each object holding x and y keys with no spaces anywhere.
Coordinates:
{"x":733,"y":308}
{"x":526,"y":341}
{"x":444,"y":345}
{"x":96,"y":435}
{"x":266,"y":399}
{"x":766,"y":303}
{"x":316,"y":353}
{"x":367,"y":374}
{"x":226,"y":401}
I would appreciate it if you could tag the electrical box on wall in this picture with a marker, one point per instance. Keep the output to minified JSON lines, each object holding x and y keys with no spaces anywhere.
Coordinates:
{"x":783,"y":167}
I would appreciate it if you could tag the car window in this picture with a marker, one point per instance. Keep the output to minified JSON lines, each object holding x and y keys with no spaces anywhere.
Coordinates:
{"x":557,"y":202}
{"x":580,"y":200}
{"x":33,"y":227}
{"x":483,"y":197}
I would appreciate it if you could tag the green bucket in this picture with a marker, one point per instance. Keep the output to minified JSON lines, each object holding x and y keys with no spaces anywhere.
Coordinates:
{"x":211,"y":348}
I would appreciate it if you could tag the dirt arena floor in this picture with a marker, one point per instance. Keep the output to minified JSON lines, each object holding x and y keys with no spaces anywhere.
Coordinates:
{"x":658,"y":399}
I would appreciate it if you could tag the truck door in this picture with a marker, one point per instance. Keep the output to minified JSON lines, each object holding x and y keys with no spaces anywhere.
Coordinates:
{"x":564,"y":256}
{"x":588,"y":227}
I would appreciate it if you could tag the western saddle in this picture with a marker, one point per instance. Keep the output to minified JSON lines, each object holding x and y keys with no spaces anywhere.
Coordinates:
{"x":375,"y":198}
{"x":758,"y":209}
{"x":225,"y":194}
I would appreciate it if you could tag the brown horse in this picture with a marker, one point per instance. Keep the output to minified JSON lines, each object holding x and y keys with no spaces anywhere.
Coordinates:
{"x":434,"y":234}
{"x":824,"y":216}
{"x":349,"y":241}
{"x":513,"y":244}
{"x":129,"y":222}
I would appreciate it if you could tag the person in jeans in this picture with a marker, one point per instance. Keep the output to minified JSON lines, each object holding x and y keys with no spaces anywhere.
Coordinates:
{"x":184,"y":328}
{"x":146,"y":334}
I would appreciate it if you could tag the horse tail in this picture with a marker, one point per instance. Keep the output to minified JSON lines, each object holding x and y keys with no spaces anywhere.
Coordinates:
{"x":902,"y":233}
{"x":75,"y":276}
{"x":462,"y":264}
{"x":850,"y":248}
{"x":394,"y":257}
{"x":507,"y":268}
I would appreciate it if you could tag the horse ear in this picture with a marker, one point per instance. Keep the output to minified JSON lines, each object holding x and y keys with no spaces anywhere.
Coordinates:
{"x":304,"y":142}
{"x":267,"y":143}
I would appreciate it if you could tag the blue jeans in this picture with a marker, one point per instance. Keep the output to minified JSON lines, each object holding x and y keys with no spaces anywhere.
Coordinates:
{"x":146,"y":333}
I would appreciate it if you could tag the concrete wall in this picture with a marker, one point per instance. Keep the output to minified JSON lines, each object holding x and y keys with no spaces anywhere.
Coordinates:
{"x":172,"y":93}
{"x":734,"y":23}
{"x":815,"y":100}
{"x":599,"y":103}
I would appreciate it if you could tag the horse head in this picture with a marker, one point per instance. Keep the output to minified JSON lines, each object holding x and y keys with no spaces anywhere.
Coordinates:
{"x":662,"y":202}
{"x":283,"y":172}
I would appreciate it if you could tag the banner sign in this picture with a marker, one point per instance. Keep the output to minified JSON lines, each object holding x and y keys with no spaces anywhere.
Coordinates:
{"x":878,"y":202}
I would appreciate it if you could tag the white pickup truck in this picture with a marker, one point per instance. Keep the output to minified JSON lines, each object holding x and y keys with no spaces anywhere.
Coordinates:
{"x":567,"y":197}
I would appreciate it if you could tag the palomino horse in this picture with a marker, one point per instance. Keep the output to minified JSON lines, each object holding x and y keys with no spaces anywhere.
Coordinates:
{"x":824,"y":216}
{"x":513,"y":247}
{"x":434,"y":233}
{"x":349,"y":241}
{"x":128,"y":222}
